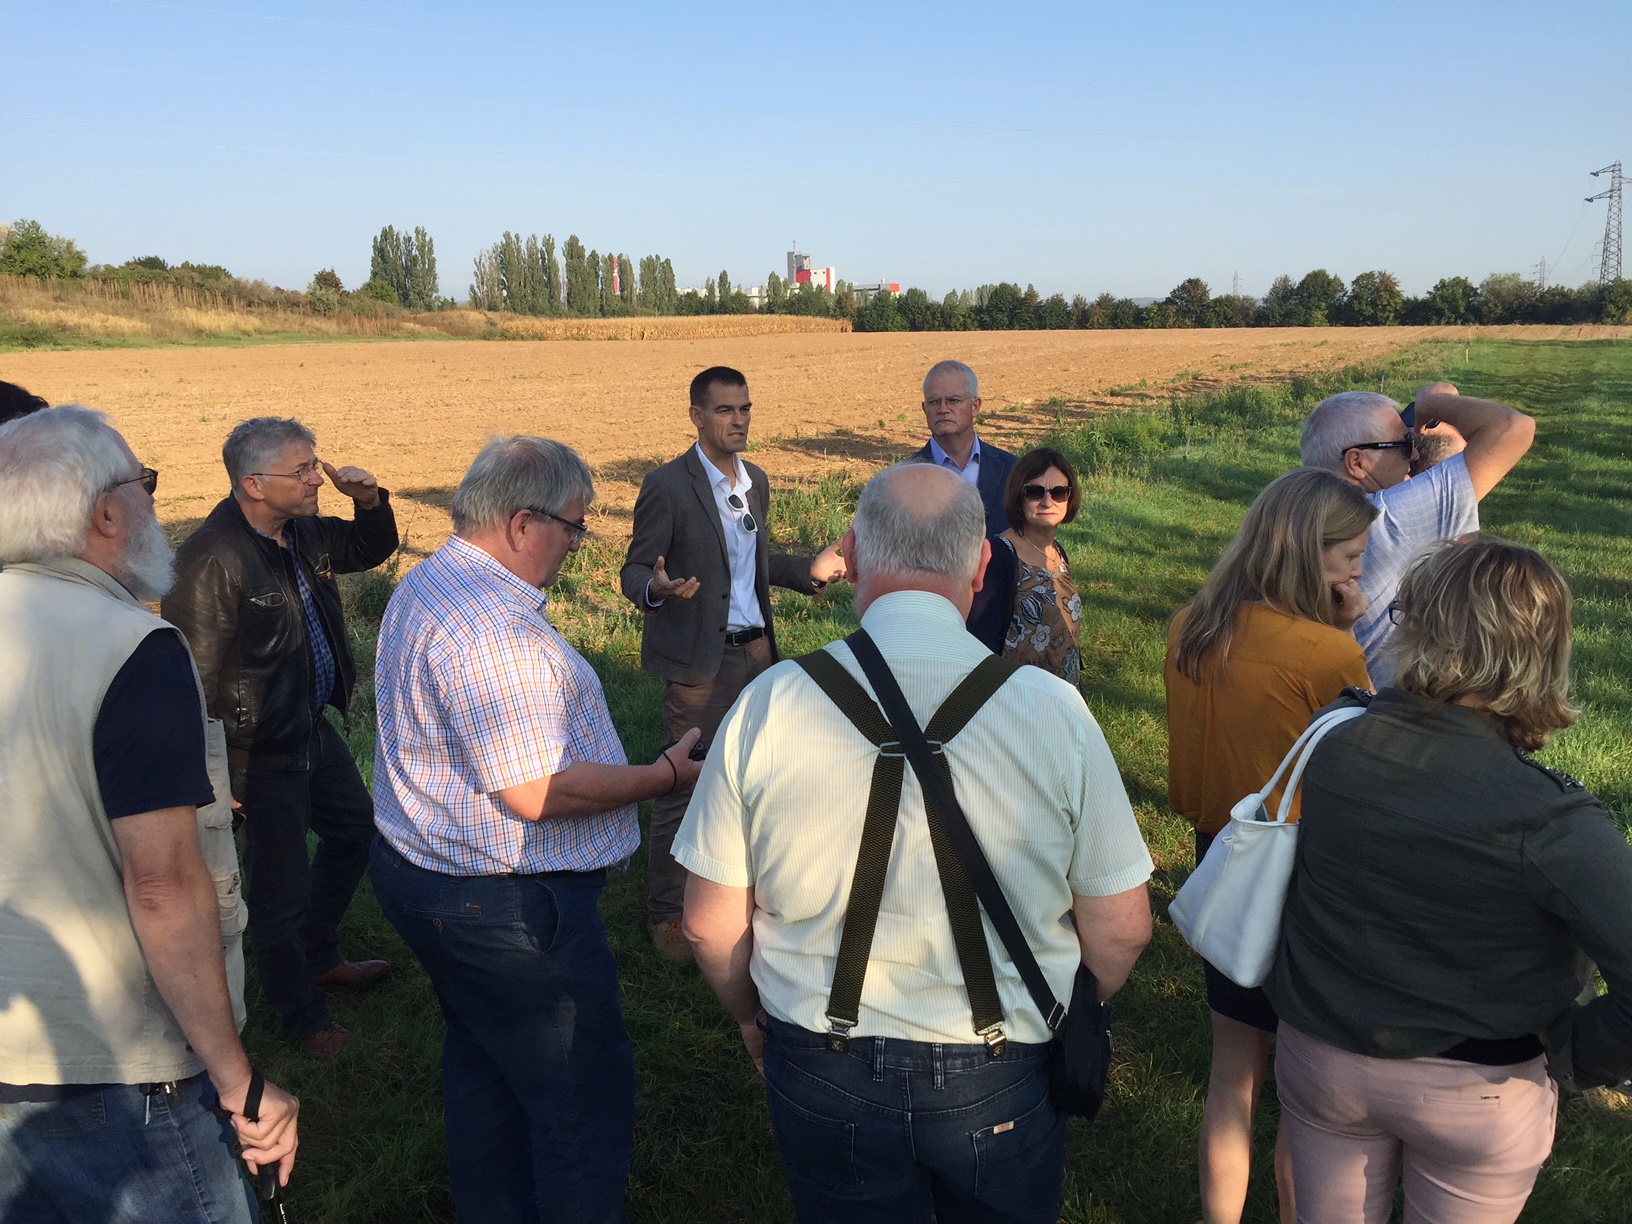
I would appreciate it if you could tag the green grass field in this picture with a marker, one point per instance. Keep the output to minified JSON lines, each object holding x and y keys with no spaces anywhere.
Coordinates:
{"x":1167,"y":489}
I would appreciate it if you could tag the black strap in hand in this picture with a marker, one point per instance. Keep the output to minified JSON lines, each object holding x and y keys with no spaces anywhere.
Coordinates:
{"x":252,"y":1096}
{"x":939,"y":796}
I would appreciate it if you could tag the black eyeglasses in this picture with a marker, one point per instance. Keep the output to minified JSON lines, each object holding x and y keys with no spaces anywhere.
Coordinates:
{"x":736,"y":503}
{"x":1406,"y":446}
{"x":579,"y":530}
{"x":1395,"y":613}
{"x":149,"y":480}
{"x":1034,"y":492}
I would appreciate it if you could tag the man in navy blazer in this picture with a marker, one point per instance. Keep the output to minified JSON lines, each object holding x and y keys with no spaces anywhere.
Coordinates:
{"x":951,"y":400}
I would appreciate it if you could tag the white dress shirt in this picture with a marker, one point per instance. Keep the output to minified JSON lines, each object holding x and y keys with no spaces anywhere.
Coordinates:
{"x":742,"y":548}
{"x":783,"y":795}
{"x":969,"y":471}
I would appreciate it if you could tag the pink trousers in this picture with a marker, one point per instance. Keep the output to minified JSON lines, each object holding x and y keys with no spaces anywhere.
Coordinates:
{"x":1467,"y":1140}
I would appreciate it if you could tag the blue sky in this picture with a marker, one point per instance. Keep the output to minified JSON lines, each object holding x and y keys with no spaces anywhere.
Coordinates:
{"x":1084,"y":147}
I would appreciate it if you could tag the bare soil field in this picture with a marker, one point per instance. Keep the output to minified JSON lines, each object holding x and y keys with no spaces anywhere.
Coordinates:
{"x":416,"y":413}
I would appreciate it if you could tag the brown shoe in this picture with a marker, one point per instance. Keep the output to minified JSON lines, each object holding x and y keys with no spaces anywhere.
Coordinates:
{"x":326,"y":1042}
{"x":354,"y":976}
{"x":669,"y":940}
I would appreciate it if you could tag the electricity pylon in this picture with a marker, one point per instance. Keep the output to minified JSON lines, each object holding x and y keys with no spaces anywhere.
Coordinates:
{"x":1609,"y":264}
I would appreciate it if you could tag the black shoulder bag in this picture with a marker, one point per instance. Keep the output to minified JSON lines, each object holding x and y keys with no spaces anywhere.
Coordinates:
{"x":1080,"y":1053}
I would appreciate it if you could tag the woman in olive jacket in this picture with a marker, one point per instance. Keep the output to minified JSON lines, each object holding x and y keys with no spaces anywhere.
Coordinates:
{"x":1449,"y":898}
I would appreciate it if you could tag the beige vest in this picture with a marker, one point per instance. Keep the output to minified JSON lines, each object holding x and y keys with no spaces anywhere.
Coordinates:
{"x":77,"y":1004}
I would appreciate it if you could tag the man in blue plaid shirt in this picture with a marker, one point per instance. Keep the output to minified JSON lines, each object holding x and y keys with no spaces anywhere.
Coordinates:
{"x":502,"y":795}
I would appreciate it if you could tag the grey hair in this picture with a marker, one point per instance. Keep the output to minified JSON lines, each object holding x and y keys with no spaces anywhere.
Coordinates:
{"x":900,"y":535}
{"x":54,"y":464}
{"x":520,"y":473}
{"x":954,"y":367}
{"x":257,"y":442}
{"x":1339,"y":422}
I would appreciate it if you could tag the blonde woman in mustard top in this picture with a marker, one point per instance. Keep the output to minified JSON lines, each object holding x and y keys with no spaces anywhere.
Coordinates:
{"x":1267,"y":643}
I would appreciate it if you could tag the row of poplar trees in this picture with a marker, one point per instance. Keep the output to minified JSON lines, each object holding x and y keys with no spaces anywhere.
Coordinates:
{"x":523,"y":275}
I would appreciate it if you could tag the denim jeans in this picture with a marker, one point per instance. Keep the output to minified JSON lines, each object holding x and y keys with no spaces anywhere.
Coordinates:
{"x":120,"y":1156}
{"x":296,"y":903}
{"x":895,"y":1131}
{"x":538,"y":1078}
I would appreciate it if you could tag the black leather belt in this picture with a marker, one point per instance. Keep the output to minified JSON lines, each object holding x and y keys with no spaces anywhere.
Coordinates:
{"x":743,"y":636}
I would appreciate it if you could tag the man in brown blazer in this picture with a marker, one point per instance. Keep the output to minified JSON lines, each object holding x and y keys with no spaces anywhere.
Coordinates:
{"x":709,"y":633}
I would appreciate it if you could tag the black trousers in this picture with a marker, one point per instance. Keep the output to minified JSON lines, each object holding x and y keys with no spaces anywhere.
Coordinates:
{"x":296,"y":900}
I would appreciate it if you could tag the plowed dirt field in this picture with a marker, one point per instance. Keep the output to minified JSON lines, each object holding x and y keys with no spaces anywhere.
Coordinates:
{"x":415,"y":413}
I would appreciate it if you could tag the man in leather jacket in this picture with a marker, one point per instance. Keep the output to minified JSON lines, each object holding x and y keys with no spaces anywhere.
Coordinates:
{"x":256,"y":596}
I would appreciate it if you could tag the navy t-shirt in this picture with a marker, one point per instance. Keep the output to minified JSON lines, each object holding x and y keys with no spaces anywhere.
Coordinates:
{"x":149,"y":738}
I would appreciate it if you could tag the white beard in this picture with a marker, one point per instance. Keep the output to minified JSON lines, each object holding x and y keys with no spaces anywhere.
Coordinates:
{"x":149,"y":561}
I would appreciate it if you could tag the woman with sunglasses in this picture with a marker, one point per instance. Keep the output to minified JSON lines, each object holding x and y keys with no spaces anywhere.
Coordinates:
{"x":1028,"y":608}
{"x":1267,"y":642}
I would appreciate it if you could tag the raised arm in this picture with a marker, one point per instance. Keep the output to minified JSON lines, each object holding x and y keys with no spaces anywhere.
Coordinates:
{"x":1498,"y":436}
{"x":370,"y":536}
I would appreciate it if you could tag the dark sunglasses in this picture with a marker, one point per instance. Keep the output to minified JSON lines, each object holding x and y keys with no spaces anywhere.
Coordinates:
{"x":1034,"y":492}
{"x":736,"y":503}
{"x":1406,"y":446}
{"x":149,"y":480}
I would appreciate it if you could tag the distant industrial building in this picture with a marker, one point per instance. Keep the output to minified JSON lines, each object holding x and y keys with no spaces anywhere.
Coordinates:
{"x":802,"y":271}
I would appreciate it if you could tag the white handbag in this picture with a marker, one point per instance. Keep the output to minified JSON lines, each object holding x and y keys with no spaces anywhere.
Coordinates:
{"x":1229,"y":909}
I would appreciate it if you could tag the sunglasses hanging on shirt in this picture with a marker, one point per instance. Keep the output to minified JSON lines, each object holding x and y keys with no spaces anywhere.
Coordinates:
{"x":736,"y":503}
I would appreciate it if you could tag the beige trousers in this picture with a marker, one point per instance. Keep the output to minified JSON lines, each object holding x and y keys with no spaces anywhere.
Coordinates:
{"x":1467,"y":1140}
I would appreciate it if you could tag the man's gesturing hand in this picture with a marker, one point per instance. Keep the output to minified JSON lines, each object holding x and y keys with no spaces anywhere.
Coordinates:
{"x":274,"y":1138}
{"x":828,"y":565}
{"x":355,"y":484}
{"x":663,"y":587}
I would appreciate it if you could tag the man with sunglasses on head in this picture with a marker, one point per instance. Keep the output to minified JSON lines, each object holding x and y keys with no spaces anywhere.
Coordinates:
{"x":951,"y":403}
{"x":256,"y":596}
{"x":1364,"y":437}
{"x":700,"y":567}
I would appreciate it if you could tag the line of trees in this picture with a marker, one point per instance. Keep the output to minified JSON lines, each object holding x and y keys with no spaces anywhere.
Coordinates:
{"x":1320,"y":299}
{"x":525,"y":276}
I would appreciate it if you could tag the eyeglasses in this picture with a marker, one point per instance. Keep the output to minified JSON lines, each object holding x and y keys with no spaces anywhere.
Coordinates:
{"x":1406,"y":446}
{"x":1034,"y":492}
{"x":949,"y":401}
{"x":1395,"y":613}
{"x":579,"y":530}
{"x":736,"y":503}
{"x":303,"y":473}
{"x":149,"y":480}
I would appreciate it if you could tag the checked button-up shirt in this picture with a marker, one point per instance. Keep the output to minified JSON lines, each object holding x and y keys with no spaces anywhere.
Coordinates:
{"x":477,"y":692}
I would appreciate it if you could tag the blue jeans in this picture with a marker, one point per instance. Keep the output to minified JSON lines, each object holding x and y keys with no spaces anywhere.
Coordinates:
{"x":538,"y":1078}
{"x":120,"y":1156}
{"x":893,"y":1131}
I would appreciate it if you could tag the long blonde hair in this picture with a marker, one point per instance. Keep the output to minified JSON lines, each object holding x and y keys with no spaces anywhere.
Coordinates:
{"x":1277,"y":558}
{"x":1489,"y":620}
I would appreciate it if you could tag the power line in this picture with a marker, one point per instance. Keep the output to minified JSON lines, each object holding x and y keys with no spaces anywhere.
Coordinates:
{"x":1609,"y":263}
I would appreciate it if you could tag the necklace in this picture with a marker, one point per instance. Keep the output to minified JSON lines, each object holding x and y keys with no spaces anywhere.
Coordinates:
{"x":1041,"y":552}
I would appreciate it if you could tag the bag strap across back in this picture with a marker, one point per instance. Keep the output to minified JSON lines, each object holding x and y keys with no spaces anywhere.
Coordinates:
{"x":898,"y":743}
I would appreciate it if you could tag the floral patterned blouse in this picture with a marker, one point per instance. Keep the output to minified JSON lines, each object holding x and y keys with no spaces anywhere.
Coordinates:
{"x":1047,"y":622}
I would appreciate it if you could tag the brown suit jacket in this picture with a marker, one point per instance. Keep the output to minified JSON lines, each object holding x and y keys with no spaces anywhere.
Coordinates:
{"x":676,"y":518}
